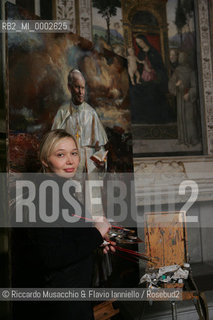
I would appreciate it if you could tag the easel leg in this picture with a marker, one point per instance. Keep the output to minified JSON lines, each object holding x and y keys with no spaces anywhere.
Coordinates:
{"x":174,"y":310}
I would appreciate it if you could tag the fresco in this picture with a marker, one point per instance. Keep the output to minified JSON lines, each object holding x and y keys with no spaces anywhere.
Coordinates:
{"x":38,"y":69}
{"x":165,"y":101}
{"x":160,"y":50}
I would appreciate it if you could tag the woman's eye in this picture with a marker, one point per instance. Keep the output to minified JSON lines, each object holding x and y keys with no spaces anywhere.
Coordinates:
{"x":60,"y":155}
{"x":75,"y":154}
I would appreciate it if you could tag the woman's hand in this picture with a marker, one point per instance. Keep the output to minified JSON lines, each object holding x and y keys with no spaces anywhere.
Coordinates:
{"x":108,"y":246}
{"x":140,"y":61}
{"x":102,"y":224}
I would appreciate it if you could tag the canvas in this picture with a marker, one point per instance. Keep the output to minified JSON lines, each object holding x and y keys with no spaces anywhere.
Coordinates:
{"x":38,"y":66}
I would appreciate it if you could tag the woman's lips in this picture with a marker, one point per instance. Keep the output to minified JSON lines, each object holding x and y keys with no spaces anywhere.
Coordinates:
{"x":69,"y":170}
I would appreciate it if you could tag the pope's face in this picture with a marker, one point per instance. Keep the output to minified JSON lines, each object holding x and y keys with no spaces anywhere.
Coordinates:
{"x":78,"y":90}
{"x":64,"y":158}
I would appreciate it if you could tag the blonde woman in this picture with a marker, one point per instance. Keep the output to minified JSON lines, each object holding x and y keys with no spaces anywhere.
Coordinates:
{"x":62,"y":255}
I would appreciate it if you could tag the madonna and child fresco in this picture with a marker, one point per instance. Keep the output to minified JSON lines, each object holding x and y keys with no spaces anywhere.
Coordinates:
{"x":165,"y":109}
{"x":148,"y":95}
{"x":150,"y":87}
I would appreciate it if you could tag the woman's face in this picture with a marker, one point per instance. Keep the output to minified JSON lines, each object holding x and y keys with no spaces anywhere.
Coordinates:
{"x":64,"y":158}
{"x":141,"y":43}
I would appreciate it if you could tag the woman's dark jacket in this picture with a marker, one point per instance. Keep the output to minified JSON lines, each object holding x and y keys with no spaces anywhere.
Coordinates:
{"x":59,"y":257}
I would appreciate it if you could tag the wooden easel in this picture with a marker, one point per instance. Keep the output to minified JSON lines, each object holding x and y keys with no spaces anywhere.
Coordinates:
{"x":166,"y":243}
